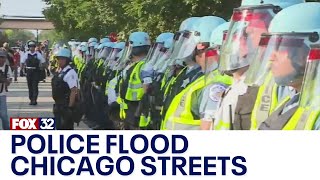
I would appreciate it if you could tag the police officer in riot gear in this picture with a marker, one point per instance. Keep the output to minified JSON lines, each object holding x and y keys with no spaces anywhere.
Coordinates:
{"x":299,"y":36}
{"x":132,"y":79}
{"x":33,"y":61}
{"x":64,"y":91}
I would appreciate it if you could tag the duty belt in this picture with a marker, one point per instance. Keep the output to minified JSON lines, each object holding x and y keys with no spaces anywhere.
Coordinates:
{"x":31,"y":68}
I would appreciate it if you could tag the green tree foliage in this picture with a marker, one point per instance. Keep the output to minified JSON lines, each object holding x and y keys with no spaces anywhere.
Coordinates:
{"x":83,"y":19}
{"x":18,"y":35}
{"x":3,"y":38}
{"x":156,"y":16}
{"x":52,"y":36}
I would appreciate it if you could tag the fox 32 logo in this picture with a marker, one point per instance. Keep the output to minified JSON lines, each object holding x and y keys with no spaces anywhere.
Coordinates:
{"x":32,"y":123}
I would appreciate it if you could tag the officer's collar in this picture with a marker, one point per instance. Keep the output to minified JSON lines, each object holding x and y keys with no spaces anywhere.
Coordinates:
{"x":32,"y":53}
{"x":66,"y":68}
{"x":193,"y":67}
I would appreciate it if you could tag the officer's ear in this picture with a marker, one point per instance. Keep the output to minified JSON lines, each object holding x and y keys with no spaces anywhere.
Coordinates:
{"x":193,"y":55}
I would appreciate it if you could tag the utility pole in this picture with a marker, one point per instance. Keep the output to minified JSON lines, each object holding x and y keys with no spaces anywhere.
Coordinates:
{"x":37,"y":36}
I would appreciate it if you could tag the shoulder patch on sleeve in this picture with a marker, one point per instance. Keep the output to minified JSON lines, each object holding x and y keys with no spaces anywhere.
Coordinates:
{"x":216,"y":92}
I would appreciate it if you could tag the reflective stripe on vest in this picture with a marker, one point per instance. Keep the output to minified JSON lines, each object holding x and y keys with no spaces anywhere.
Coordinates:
{"x":171,"y":82}
{"x":100,"y":62}
{"x":164,"y":79}
{"x":168,"y":86}
{"x":112,"y":84}
{"x":179,"y":115}
{"x":135,"y":89}
{"x":267,"y":99}
{"x":106,"y":88}
{"x":76,"y":61}
{"x":313,"y":117}
{"x":303,"y":119}
{"x":222,"y":125}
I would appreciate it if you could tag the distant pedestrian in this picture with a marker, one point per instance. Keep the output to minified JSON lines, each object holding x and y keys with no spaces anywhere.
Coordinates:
{"x":16,"y":59}
{"x":5,"y":80}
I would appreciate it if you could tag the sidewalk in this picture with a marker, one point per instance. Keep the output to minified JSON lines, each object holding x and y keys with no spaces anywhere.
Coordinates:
{"x":18,"y":101}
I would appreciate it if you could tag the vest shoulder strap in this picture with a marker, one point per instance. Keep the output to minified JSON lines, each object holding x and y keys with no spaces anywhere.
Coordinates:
{"x":6,"y":70}
{"x":33,"y":55}
{"x":65,"y":72}
{"x":135,"y":69}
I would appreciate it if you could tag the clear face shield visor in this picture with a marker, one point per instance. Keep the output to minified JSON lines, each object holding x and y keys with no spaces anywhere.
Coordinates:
{"x":208,"y":59}
{"x":113,"y":54}
{"x":78,"y":52}
{"x":177,"y":41}
{"x":283,"y":55}
{"x":125,"y":57}
{"x":243,"y":36}
{"x":83,"y":52}
{"x":189,"y":42}
{"x":96,"y":53}
{"x":310,"y":96}
{"x":162,"y":62}
{"x":104,"y":53}
{"x":73,"y":49}
{"x":91,"y":53}
{"x":154,"y":53}
{"x":212,"y":59}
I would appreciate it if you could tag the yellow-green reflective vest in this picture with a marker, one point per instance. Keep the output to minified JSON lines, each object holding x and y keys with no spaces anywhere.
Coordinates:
{"x":76,"y":61}
{"x":135,"y":89}
{"x":100,"y":62}
{"x":266,"y":102}
{"x":164,"y":79}
{"x":302,"y":119}
{"x":168,"y":86}
{"x":111,"y":84}
{"x":145,"y":120}
{"x":179,"y":115}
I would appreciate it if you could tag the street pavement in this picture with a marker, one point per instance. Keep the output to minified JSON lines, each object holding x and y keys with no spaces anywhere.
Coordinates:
{"x":18,"y":101}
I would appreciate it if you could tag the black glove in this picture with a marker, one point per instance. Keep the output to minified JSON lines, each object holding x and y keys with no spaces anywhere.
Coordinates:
{"x":137,"y":119}
{"x":77,"y":113}
{"x":114,"y":110}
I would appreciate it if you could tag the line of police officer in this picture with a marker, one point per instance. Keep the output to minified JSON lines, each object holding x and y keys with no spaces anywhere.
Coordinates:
{"x":258,"y":71}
